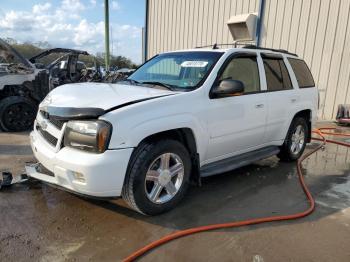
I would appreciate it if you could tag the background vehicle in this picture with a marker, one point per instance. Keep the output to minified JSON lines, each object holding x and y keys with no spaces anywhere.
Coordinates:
{"x":181,"y":116}
{"x":24,"y":83}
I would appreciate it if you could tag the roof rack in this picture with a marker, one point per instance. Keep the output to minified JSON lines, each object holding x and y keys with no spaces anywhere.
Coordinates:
{"x":269,"y":49}
{"x":249,"y":46}
{"x":234,"y":44}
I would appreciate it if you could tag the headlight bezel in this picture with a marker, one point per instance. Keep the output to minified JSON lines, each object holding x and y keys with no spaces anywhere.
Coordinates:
{"x":88,"y":135}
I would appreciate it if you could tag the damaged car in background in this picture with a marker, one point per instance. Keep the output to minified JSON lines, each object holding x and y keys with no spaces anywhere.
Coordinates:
{"x":24,"y":83}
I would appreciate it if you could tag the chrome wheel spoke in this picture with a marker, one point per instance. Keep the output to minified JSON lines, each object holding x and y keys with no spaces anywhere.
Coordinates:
{"x":156,"y":190}
{"x":300,"y":146}
{"x":170,"y":188}
{"x":164,"y":178}
{"x":165,"y":161}
{"x":152,"y":175}
{"x":175,"y":169}
{"x":298,"y":139}
{"x":293,"y":147}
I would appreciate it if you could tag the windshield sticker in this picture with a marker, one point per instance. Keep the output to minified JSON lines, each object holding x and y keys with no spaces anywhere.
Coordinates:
{"x":194,"y":64}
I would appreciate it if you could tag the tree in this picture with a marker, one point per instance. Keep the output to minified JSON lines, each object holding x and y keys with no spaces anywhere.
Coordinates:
{"x":116,"y":62}
{"x":29,"y":49}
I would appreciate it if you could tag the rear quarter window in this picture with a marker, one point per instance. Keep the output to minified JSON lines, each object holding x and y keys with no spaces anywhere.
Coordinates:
{"x":302,"y":73}
{"x":277,"y":76}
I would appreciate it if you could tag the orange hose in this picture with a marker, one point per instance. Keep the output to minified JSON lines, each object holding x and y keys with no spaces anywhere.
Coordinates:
{"x":194,"y":230}
{"x":331,"y":133}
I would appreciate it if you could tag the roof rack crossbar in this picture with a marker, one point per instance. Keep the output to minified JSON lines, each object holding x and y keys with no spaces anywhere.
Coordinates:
{"x":216,"y":45}
{"x":249,"y":46}
{"x":269,"y":49}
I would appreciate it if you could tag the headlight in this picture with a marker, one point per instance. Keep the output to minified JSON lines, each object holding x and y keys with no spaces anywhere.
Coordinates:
{"x":90,"y":136}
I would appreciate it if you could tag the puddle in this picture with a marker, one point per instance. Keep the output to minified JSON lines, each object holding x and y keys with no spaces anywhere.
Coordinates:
{"x":337,"y":197}
{"x":340,"y":191}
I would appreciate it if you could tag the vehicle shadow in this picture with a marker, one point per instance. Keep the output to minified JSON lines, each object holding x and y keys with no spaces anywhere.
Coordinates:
{"x":266,"y":188}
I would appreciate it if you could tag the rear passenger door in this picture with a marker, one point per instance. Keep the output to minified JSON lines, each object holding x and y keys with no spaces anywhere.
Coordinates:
{"x":282,"y":98}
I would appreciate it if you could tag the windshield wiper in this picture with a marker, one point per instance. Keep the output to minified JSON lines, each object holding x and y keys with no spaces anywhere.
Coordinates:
{"x":158,"y":84}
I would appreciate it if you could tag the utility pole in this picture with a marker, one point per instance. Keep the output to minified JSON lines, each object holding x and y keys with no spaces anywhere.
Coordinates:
{"x":112,"y":43}
{"x":107,"y":35}
{"x":143,"y":44}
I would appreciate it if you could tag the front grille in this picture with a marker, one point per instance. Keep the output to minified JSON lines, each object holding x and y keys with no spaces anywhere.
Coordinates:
{"x":57,"y":123}
{"x":47,"y":136}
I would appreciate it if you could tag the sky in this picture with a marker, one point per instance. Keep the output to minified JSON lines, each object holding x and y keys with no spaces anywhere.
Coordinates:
{"x":75,"y":24}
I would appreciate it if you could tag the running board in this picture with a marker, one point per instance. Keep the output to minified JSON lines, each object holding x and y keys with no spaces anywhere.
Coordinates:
{"x":235,"y":162}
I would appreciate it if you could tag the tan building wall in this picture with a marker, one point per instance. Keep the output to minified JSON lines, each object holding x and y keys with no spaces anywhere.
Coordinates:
{"x":318,"y":31}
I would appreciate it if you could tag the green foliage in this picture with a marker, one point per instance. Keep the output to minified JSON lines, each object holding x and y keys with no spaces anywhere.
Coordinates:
{"x":29,"y":50}
{"x":116,"y":61}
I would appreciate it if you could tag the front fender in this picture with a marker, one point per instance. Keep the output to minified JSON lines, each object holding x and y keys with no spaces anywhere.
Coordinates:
{"x":133,"y":135}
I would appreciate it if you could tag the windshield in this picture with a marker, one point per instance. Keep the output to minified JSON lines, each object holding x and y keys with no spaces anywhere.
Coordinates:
{"x":180,"y":70}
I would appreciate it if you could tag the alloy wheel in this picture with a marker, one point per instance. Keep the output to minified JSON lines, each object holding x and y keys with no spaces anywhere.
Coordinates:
{"x":164,"y":178}
{"x":298,"y":140}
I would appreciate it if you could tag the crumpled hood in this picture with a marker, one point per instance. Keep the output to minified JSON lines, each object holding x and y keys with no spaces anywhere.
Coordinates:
{"x":99,"y":95}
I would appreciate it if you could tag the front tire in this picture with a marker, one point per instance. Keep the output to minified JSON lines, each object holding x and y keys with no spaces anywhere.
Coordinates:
{"x":295,"y":142}
{"x":158,"y":177}
{"x":17,"y":113}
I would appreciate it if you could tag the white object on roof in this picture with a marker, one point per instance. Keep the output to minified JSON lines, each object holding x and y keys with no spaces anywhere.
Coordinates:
{"x":242,"y":27}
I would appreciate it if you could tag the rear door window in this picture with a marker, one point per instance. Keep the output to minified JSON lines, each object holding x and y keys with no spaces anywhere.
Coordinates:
{"x":277,"y":76}
{"x":302,"y":73}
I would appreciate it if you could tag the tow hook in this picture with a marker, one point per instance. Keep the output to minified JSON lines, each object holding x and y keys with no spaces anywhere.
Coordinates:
{"x":7,"y":179}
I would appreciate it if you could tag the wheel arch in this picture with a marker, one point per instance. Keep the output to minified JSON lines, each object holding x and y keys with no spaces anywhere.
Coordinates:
{"x":185,"y":136}
{"x":306,"y":114}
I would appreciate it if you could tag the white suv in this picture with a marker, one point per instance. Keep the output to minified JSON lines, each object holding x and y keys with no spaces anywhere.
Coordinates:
{"x":181,"y":116}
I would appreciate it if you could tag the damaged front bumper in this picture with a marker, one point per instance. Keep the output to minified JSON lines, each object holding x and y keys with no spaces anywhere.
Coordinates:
{"x":6,"y":179}
{"x":98,"y":175}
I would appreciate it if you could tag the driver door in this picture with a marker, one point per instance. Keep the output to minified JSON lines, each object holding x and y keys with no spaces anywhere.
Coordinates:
{"x":236,"y":124}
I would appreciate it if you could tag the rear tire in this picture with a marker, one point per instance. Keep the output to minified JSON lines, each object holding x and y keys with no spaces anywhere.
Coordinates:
{"x":17,"y":113}
{"x":151,"y":186}
{"x":295,"y":142}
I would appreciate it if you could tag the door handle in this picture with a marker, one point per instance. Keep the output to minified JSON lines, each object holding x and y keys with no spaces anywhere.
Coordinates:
{"x":293,"y":100}
{"x":259,"y":105}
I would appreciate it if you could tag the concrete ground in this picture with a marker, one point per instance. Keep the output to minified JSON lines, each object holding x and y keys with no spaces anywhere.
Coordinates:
{"x":40,"y":223}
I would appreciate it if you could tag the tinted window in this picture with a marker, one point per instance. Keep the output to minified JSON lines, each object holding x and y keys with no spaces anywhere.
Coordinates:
{"x":277,"y":76}
{"x":302,"y":73}
{"x":244,"y":69}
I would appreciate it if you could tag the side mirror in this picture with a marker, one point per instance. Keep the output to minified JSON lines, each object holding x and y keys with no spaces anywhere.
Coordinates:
{"x":227,"y":88}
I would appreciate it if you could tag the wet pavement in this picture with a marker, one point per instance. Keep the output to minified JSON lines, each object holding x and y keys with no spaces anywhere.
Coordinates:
{"x":41,"y":223}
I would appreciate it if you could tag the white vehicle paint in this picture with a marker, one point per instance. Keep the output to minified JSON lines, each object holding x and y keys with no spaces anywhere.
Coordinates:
{"x":222,"y":128}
